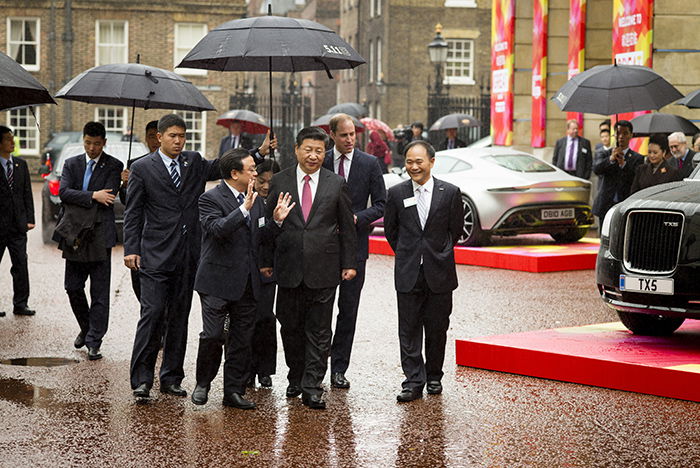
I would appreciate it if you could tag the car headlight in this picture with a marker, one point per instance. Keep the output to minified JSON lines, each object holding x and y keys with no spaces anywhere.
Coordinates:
{"x":607,"y":221}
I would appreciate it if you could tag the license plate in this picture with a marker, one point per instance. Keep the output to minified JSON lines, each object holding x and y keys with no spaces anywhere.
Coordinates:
{"x":646,"y":285}
{"x":557,"y":213}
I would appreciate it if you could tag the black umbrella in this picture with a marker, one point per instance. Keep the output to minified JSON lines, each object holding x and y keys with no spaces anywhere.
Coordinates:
{"x":135,"y":85}
{"x":272,"y":43}
{"x":457,"y":120}
{"x":251,"y":122}
{"x":692,"y":100}
{"x":325,"y":123}
{"x":615,"y":89}
{"x":351,"y":108}
{"x":18,"y":88}
{"x":656,"y":122}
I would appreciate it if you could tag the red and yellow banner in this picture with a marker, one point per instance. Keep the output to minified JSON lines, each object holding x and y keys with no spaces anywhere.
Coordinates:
{"x":577,"y":48}
{"x":502,"y":59}
{"x":539,"y":72}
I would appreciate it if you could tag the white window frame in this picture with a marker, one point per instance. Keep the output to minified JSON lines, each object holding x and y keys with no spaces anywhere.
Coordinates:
{"x":125,"y":55}
{"x":460,"y":80}
{"x":460,"y":3}
{"x":378,"y":8}
{"x":202,"y":132}
{"x":177,"y":58}
{"x":109,"y":128}
{"x":36,"y":42}
{"x":378,"y":71}
{"x":371,"y":8}
{"x":371,"y":61}
{"x":31,"y":127}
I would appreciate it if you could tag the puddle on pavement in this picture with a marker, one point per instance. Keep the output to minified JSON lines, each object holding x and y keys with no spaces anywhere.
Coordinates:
{"x":38,"y":361}
{"x":21,"y":392}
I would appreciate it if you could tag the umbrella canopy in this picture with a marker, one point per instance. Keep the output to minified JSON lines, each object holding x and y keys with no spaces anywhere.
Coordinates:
{"x":135,"y":85}
{"x":325,"y":120}
{"x":615,"y":89}
{"x":351,"y":108}
{"x":250,"y":121}
{"x":457,"y":120}
{"x":692,"y":100}
{"x":18,"y":88}
{"x":646,"y":124}
{"x":375,"y":124}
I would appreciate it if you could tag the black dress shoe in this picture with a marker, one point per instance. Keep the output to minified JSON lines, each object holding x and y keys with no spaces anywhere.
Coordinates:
{"x":338,"y":380}
{"x":2,"y":314}
{"x":200,"y":394}
{"x":293,"y":391}
{"x":79,"y":340}
{"x":23,"y":311}
{"x":250,"y":383}
{"x":142,"y":391}
{"x":94,"y":353}
{"x":265,"y":381}
{"x":409,"y":395}
{"x":173,"y":389}
{"x":434,"y":387}
{"x":313,"y":401}
{"x":236,"y":400}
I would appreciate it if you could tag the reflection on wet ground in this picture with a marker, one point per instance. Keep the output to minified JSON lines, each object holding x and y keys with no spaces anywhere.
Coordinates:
{"x":18,"y":391}
{"x":38,"y":361}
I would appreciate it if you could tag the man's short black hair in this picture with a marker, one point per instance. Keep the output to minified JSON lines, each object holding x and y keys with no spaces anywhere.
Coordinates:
{"x":428,"y":147}
{"x":623,"y":123}
{"x":170,"y":120}
{"x":267,"y":166}
{"x":94,"y":129}
{"x":605,"y":130}
{"x":418,"y":125}
{"x":152,"y":125}
{"x":312,"y":133}
{"x":4,"y":130}
{"x":604,"y":123}
{"x":232,"y":160}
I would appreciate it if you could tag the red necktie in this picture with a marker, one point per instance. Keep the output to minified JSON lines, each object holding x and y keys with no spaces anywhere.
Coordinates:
{"x":306,"y":199}
{"x":341,"y":166}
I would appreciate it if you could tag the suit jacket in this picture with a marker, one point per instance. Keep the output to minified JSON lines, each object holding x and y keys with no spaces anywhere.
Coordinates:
{"x":458,"y":144}
{"x":122,"y":187}
{"x":16,"y":204}
{"x":312,"y":252}
{"x":106,"y":174}
{"x":225,"y":144}
{"x":161,"y":223}
{"x":229,"y":245}
{"x":584,"y":157}
{"x":614,"y":182}
{"x":434,"y":244}
{"x":365,"y":181}
{"x":688,"y":167}
{"x":645,"y":177}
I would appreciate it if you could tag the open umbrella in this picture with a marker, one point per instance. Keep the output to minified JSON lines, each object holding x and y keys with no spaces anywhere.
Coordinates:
{"x":272,"y":43}
{"x":325,"y":120}
{"x":18,"y":88}
{"x":135,"y":85}
{"x":351,"y":108}
{"x":250,"y":121}
{"x":691,"y":100}
{"x":457,"y":120}
{"x":656,"y":122}
{"x":376,"y":124}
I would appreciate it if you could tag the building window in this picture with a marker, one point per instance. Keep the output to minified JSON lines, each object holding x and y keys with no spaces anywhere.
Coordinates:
{"x":196,"y":130}
{"x":379,"y":59}
{"x":187,"y":35}
{"x":23,"y":41}
{"x":459,"y":68}
{"x":371,"y":8}
{"x":378,"y":9}
{"x":461,"y":3}
{"x":113,"y":118}
{"x":112,"y":42}
{"x":370,"y":64}
{"x":24,"y":125}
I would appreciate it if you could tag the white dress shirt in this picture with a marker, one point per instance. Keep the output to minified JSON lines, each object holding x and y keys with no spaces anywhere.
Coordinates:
{"x":423,"y":199}
{"x":87,"y":160}
{"x":235,"y":192}
{"x":313,"y":183}
{"x":346,"y":164}
{"x":167,"y":160}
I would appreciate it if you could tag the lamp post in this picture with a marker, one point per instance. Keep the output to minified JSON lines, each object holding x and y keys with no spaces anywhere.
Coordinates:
{"x":437,"y":50}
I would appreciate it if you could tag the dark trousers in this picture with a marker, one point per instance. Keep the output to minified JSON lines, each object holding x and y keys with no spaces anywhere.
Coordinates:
{"x":237,"y":366}
{"x":265,"y":335}
{"x":305,"y":316}
{"x":422,"y":310}
{"x":166,"y":299}
{"x":348,"y":304}
{"x":16,"y":244}
{"x":136,"y":284}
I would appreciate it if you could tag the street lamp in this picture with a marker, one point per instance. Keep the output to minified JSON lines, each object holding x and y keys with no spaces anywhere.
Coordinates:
{"x":437,"y":51}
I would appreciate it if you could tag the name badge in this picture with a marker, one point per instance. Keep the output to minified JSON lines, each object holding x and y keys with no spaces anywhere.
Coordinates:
{"x":411,"y":201}
{"x":261,"y":222}
{"x":584,"y":150}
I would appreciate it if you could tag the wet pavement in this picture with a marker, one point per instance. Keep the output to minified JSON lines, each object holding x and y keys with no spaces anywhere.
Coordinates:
{"x":62,"y":410}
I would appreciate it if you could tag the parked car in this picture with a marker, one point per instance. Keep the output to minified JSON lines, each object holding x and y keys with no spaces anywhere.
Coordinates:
{"x":58,"y":140}
{"x":649,"y":260}
{"x":50,"y":201}
{"x":507,"y":192}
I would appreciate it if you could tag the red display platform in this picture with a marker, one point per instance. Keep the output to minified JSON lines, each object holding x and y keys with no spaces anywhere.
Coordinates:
{"x":534,"y":253}
{"x":602,"y":355}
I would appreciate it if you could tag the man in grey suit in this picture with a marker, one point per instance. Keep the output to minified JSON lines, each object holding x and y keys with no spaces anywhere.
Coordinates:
{"x":312,"y":251}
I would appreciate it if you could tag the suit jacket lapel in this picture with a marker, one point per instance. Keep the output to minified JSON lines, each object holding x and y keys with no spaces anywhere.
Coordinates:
{"x":354,"y":172}
{"x":159,"y":167}
{"x":291,"y":187}
{"x":185,"y":164}
{"x":228,"y":197}
{"x":413,"y":210}
{"x":320,"y":191}
{"x":435,"y":200}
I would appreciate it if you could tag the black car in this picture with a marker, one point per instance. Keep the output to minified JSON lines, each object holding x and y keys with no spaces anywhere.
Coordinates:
{"x":50,"y":201}
{"x":648,"y":266}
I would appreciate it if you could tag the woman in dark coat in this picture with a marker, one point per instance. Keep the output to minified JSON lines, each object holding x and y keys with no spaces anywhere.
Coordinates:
{"x":656,"y":170}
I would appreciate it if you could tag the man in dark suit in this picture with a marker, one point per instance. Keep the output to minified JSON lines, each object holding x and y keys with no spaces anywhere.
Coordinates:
{"x":311,"y":251}
{"x":365,"y":182}
{"x":16,"y":218}
{"x":235,"y":139}
{"x":228,"y":277}
{"x":682,"y":155}
{"x":91,"y":180}
{"x":573,"y":153}
{"x":162,"y":240}
{"x":422,"y":222}
{"x":604,"y":131}
{"x":615,"y":169}
{"x":451,"y":141}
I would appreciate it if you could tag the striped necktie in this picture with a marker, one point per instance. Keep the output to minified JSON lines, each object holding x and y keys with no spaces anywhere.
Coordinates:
{"x":174,"y":175}
{"x":10,"y":172}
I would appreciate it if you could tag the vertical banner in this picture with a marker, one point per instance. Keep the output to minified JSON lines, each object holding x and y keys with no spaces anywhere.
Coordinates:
{"x":632,"y":37}
{"x":577,"y":48}
{"x":539,"y":72}
{"x":502,"y":45}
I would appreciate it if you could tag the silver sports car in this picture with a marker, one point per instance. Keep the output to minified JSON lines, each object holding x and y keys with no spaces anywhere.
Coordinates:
{"x":507,"y":192}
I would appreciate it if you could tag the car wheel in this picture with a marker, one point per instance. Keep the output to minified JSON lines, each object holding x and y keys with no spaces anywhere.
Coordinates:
{"x":570,"y":235}
{"x":651,"y":325}
{"x":472,"y":234}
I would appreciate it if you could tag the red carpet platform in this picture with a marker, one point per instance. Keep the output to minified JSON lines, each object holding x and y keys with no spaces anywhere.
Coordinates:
{"x":602,"y":355}
{"x":534,"y":253}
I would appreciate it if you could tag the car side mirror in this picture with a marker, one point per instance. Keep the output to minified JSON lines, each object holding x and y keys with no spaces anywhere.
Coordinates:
{"x":44,"y":170}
